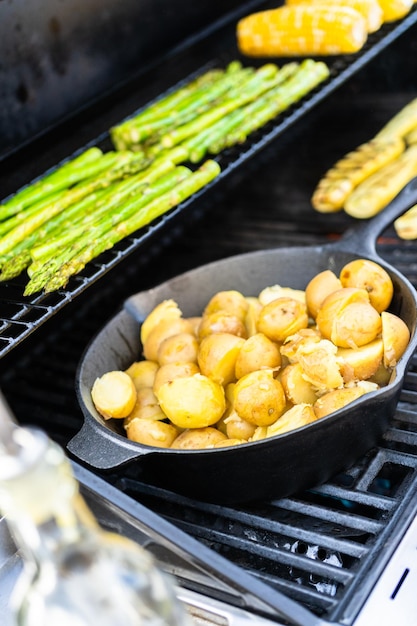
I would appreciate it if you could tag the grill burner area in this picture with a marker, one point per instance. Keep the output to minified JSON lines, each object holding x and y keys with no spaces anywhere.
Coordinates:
{"x":323,"y":548}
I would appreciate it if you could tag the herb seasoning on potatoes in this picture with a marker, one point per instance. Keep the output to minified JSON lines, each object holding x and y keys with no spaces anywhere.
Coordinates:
{"x":252,"y":367}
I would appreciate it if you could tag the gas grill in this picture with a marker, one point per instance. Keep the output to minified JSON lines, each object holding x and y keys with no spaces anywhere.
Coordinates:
{"x":341,"y":553}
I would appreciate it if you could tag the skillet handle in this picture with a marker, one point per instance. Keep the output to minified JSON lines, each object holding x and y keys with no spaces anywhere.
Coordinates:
{"x":98,"y":449}
{"x":362,"y":239}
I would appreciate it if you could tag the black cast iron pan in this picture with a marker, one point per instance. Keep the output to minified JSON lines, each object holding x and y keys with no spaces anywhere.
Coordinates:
{"x":273,"y":467}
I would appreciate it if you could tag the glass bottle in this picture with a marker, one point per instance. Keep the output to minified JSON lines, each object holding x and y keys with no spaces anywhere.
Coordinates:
{"x":75,"y":573}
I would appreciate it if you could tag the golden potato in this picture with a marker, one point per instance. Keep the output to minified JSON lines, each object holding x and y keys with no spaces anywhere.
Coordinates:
{"x":238,"y":428}
{"x":297,"y":416}
{"x":293,"y":342}
{"x":259,"y":398}
{"x":146,"y":406}
{"x":334,"y":304}
{"x":225,"y":443}
{"x":317,"y":290}
{"x":180,"y":348}
{"x":368,"y":275}
{"x":252,"y":314}
{"x":192,"y":401}
{"x":319,"y":364}
{"x":114,"y":394}
{"x":232,"y":302}
{"x":166,"y":310}
{"x":195,"y":323}
{"x":165,"y":328}
{"x":360,"y":363}
{"x":143,"y":373}
{"x":217,"y":356}
{"x":198,"y":439}
{"x":395,"y":337}
{"x":339,"y":398}
{"x":151,"y":432}
{"x":281,"y":318}
{"x":276,"y":291}
{"x":221,"y":322}
{"x":170,"y":371}
{"x":358,"y":324}
{"x":348,"y":319}
{"x":382,"y":376}
{"x":257,"y":352}
{"x":297,"y":389}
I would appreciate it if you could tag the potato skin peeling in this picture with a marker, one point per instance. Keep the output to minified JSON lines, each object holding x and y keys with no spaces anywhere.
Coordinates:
{"x":247,"y":368}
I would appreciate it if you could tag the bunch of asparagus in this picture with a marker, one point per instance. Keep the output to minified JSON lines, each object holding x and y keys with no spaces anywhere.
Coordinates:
{"x":55,"y":226}
{"x":218,"y":109}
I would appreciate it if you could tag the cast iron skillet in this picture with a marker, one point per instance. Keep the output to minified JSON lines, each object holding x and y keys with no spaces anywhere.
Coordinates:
{"x":273,"y":467}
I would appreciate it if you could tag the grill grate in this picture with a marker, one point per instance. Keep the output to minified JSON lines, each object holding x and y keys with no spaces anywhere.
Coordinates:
{"x":21,"y":316}
{"x":321,"y":547}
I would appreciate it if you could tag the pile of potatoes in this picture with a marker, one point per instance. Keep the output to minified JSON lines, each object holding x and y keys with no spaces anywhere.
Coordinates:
{"x":254,"y":367}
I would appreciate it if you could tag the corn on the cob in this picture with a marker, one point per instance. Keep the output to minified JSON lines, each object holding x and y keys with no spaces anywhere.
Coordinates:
{"x":371,"y":196}
{"x":406,"y":225}
{"x":395,"y":9}
{"x":302,"y":31}
{"x":402,"y":123}
{"x":338,"y":183}
{"x":370,"y":9}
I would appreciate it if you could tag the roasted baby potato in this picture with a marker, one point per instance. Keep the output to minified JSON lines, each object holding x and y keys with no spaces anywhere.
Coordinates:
{"x":217,"y":356}
{"x":368,"y":275}
{"x":257,"y":352}
{"x":259,"y":398}
{"x":168,"y":372}
{"x":281,"y":318}
{"x":395,"y":338}
{"x":319,"y":287}
{"x":114,"y":394}
{"x":165,"y":329}
{"x":192,"y":401}
{"x":143,"y":373}
{"x":232,"y":302}
{"x":198,"y":439}
{"x":151,"y":433}
{"x":179,"y":348}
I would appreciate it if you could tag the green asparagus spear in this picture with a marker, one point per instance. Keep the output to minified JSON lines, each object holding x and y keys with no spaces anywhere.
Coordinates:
{"x":198,"y":145}
{"x":86,"y":164}
{"x":126,"y":163}
{"x":263,"y":79}
{"x":139,"y":129}
{"x":21,"y":216}
{"x":308,"y":76}
{"x":112,"y":198}
{"x":41,"y":273}
{"x":155,"y":208}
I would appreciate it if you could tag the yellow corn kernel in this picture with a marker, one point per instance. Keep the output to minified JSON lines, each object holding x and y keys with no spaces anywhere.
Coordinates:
{"x":370,"y":9}
{"x":395,"y":9}
{"x":302,"y":31}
